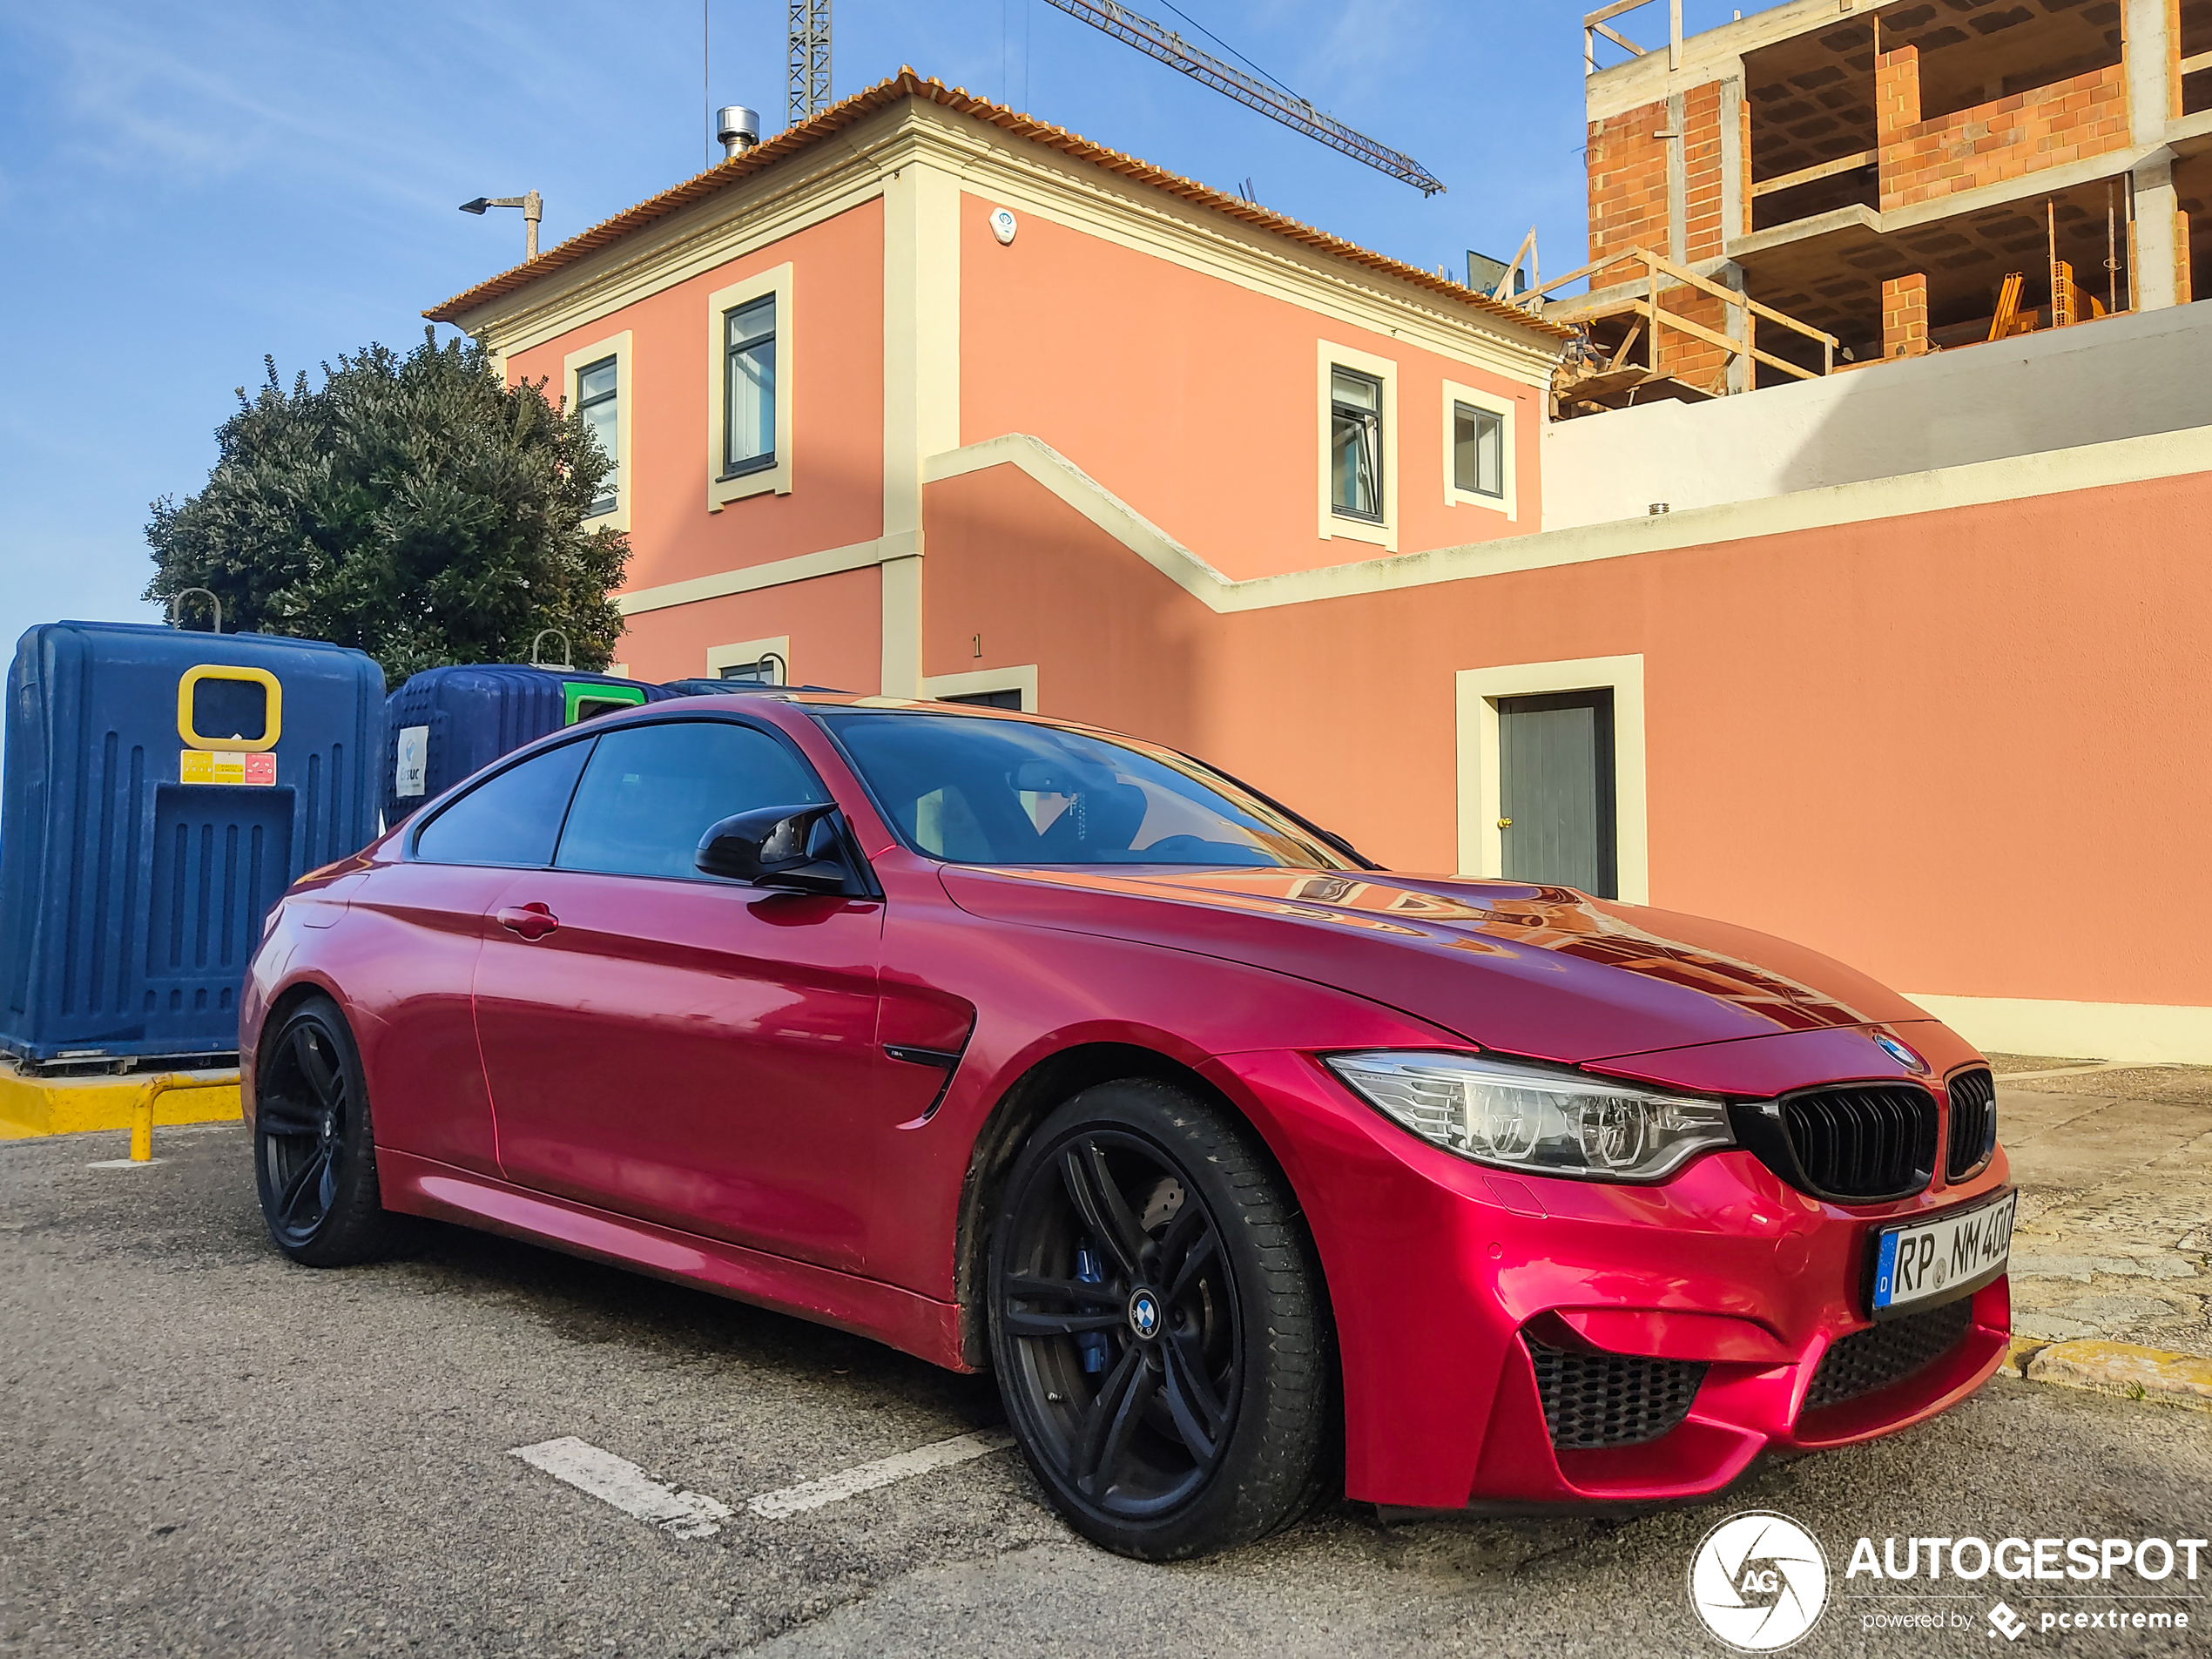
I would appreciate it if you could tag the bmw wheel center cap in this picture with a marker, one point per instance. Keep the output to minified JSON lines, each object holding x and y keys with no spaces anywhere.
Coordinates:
{"x":1144,"y":1314}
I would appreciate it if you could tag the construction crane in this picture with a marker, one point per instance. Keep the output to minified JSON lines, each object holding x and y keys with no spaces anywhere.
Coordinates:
{"x":809,"y":63}
{"x":1157,"y":41}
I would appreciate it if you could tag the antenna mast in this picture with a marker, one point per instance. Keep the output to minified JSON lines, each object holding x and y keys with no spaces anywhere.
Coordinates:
{"x":809,"y":79}
{"x":1157,"y":41}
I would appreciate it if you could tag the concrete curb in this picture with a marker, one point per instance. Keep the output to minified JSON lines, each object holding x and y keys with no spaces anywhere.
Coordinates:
{"x":2119,"y":1368}
{"x":35,"y":1106}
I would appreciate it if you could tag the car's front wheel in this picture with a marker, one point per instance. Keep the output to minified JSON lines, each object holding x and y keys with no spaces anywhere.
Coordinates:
{"x":1158,"y":1326}
{"x":314,"y":1156}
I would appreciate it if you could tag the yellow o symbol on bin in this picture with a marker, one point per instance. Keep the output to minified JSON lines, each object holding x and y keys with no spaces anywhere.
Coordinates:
{"x":190,"y":700}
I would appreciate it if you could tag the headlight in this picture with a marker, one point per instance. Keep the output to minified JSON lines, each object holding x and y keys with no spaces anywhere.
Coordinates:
{"x":1549,"y":1122}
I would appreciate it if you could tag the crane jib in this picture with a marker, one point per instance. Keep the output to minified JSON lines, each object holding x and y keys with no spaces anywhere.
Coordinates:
{"x":1155,"y":40}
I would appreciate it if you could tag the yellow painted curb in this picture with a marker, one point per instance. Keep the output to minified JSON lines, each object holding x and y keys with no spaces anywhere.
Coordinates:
{"x":2018,"y":1353}
{"x":32,"y":1106}
{"x":2123,"y":1368}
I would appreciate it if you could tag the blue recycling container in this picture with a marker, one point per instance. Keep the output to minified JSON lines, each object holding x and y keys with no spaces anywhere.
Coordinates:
{"x":162,"y":789}
{"x":447,"y":723}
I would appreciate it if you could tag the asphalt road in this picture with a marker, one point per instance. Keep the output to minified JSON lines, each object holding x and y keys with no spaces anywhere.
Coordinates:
{"x":204,"y":1449}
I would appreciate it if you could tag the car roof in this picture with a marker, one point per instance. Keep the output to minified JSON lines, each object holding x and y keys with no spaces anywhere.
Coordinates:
{"x":810,"y":699}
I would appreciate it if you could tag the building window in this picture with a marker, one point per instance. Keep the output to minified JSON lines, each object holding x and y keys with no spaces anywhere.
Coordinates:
{"x":765,"y":670}
{"x":749,"y":388}
{"x":596,"y":401}
{"x":752,"y":662}
{"x":1013,"y":688}
{"x":1478,"y":427}
{"x":596,"y":383}
{"x":1355,"y":444}
{"x":1478,"y":451}
{"x":1008,"y":699}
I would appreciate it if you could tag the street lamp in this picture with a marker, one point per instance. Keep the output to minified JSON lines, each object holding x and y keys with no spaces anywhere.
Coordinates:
{"x":533,"y":206}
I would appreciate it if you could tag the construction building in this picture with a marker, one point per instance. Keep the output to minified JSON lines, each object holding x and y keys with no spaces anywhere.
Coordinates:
{"x":1880,"y":181}
{"x":1904,"y":661}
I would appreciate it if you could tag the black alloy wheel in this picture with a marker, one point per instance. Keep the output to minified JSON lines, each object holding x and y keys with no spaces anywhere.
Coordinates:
{"x":314,"y":1160}
{"x":1157,"y":1327}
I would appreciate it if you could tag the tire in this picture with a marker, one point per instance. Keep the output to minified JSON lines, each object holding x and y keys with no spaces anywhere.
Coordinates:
{"x":1159,"y":1326}
{"x":314,"y":1153}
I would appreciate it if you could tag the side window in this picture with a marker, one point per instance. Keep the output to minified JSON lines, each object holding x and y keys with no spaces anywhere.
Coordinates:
{"x":653,"y":791}
{"x":595,"y":394}
{"x":749,"y":387}
{"x":1355,"y":444}
{"x":512,"y":818}
{"x":1478,"y":451}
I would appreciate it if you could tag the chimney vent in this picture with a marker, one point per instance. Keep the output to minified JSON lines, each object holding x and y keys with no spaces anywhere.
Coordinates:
{"x":737,"y":129}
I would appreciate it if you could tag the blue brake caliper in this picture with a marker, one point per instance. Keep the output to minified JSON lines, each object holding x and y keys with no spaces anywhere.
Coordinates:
{"x":1091,"y":1344}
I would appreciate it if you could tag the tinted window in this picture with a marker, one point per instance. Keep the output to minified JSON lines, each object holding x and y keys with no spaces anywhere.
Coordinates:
{"x":509,"y":819}
{"x":653,"y":791}
{"x":1005,"y":792}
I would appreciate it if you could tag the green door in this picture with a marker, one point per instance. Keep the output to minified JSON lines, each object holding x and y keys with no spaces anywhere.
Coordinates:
{"x":1555,"y":790}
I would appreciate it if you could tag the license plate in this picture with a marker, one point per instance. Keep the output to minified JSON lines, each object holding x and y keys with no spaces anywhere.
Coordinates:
{"x":1944,"y":1257}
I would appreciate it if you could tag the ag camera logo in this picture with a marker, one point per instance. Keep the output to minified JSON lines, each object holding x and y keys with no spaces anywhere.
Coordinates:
{"x":1759,"y":1581}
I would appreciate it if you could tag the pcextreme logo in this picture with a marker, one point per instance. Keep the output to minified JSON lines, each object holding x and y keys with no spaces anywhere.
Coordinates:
{"x":1759,"y":1581}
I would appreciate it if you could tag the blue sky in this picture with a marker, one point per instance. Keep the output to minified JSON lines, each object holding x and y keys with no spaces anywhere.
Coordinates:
{"x":186,"y":188}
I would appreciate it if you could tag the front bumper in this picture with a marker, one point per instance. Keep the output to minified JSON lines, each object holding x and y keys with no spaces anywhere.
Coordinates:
{"x":1441,"y":1273}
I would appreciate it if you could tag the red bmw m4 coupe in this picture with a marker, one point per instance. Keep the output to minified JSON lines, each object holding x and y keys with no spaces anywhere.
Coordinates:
{"x":1248,"y":1168}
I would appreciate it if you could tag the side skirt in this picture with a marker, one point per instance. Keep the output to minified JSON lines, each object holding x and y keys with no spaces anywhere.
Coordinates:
{"x":927,"y":1329}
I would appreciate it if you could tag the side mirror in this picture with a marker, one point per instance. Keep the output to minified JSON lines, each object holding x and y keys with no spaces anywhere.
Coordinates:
{"x":798,"y":847}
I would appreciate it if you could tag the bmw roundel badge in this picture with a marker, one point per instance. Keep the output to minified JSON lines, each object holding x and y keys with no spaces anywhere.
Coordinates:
{"x":1144,"y":1314}
{"x":1897,"y":1051}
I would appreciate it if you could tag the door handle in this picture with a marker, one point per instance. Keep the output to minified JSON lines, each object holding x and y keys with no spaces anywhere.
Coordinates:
{"x":532,"y":920}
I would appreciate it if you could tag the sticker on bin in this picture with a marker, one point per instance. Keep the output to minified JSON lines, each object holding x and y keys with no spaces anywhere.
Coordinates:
{"x":211,"y":766}
{"x":411,"y":762}
{"x":1943,"y":1257}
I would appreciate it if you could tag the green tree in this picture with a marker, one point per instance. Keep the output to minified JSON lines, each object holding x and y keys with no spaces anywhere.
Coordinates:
{"x":417,"y":507}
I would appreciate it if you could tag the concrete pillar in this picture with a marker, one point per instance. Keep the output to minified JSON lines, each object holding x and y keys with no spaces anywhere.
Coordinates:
{"x":1738,"y":326}
{"x":1905,"y":316}
{"x":2150,"y":37}
{"x":2157,"y":257}
{"x":1735,"y":162}
{"x":1677,"y":182}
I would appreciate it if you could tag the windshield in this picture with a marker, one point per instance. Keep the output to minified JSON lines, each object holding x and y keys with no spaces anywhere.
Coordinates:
{"x":981,"y":791}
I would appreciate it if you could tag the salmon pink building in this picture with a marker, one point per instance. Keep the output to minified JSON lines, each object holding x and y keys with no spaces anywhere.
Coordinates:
{"x":925,"y":398}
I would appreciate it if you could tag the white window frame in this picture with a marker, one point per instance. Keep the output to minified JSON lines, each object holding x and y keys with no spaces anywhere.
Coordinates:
{"x":721,"y":491}
{"x":740,"y":653}
{"x":1023,"y":679}
{"x":1334,"y":525}
{"x":1505,"y":408}
{"x":616,"y":346}
{"x":1481,"y":845}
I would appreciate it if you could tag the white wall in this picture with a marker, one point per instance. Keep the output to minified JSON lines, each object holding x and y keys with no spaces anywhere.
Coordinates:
{"x":2119,"y":377}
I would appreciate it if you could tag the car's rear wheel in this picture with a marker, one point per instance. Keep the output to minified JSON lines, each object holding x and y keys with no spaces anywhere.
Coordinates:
{"x":1159,"y":1326}
{"x":314,"y":1157}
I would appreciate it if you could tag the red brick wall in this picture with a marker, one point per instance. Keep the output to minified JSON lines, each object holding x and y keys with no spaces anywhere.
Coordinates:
{"x":1905,"y":316}
{"x":1702,"y":169}
{"x":1683,"y":356}
{"x":1897,"y":94}
{"x":2027,"y":133}
{"x":1627,"y":175}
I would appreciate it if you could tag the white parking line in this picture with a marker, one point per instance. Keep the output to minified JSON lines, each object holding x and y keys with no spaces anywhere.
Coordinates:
{"x":628,"y":1488}
{"x":813,"y":1494}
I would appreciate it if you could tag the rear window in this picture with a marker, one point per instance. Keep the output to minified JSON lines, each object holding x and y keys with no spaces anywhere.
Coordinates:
{"x":510,"y":818}
{"x":979,"y":791}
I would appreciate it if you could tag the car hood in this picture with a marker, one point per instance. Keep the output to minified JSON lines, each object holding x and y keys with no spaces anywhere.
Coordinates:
{"x":1541,"y":971}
